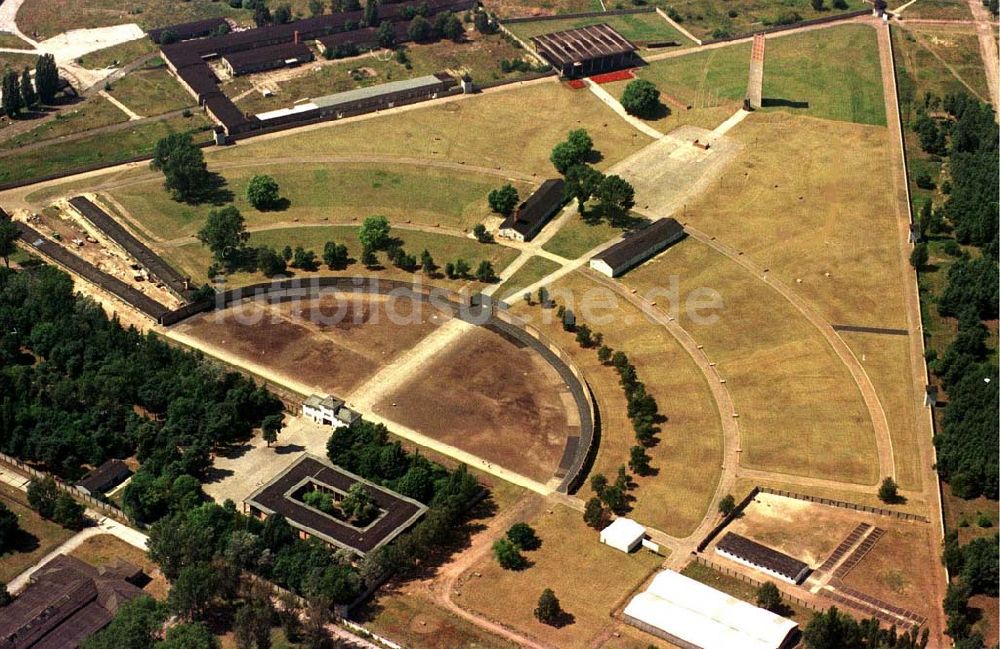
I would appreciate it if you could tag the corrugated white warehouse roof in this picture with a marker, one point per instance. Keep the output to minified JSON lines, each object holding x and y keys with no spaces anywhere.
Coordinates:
{"x":693,"y":612}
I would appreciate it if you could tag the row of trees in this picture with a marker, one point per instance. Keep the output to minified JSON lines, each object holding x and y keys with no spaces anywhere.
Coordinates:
{"x":21,"y":93}
{"x":54,"y":504}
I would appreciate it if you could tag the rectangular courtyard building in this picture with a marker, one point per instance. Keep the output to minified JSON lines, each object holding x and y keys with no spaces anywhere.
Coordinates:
{"x":760,"y":557}
{"x":585,"y":51}
{"x":283,"y":495}
{"x":531,"y":215}
{"x":637,"y":247}
{"x":263,"y":59}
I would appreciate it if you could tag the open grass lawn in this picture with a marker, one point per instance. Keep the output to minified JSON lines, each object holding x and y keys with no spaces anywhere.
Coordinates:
{"x":638,"y":28}
{"x":830,"y":73}
{"x":407,"y":615}
{"x":886,"y":359}
{"x":46,"y":18}
{"x":117,"y":55}
{"x":103,"y":549}
{"x":715,"y":18}
{"x":533,"y":270}
{"x":193,"y":258}
{"x":38,"y":537}
{"x":17,"y":60}
{"x":9,"y":40}
{"x":941,"y":59}
{"x":479,"y":57}
{"x":501,"y":129}
{"x":328,"y":192}
{"x":93,"y":112}
{"x":826,"y":219}
{"x":576,"y":237}
{"x":936,"y":9}
{"x":800,"y":411}
{"x":517,"y":8}
{"x":115,"y":147}
{"x":740,"y":590}
{"x":689,"y":452}
{"x":151,"y":91}
{"x":590,"y":580}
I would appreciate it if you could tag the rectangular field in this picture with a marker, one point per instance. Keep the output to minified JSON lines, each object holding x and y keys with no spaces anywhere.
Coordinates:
{"x":799,"y":409}
{"x":90,"y":113}
{"x":590,"y":580}
{"x":319,"y":192}
{"x":639,"y":28}
{"x":152,"y":90}
{"x":717,"y":18}
{"x":50,"y":17}
{"x":533,"y":270}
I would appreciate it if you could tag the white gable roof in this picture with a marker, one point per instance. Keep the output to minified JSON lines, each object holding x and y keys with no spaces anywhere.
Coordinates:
{"x":622,"y":532}
{"x":703,"y":616}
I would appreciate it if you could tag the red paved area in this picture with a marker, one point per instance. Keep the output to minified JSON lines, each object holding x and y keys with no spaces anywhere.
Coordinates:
{"x":608,"y":77}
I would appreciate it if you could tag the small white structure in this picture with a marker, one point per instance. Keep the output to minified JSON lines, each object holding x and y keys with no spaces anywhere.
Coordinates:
{"x":623,"y":534}
{"x":688,"y":613}
{"x":328,"y":411}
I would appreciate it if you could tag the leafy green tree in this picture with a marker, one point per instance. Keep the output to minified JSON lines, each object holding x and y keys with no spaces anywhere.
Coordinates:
{"x":135,"y":626}
{"x":9,"y":528}
{"x":42,"y":495}
{"x":226,"y":235}
{"x":46,"y":78}
{"x":642,"y":99}
{"x":508,"y":555}
{"x":270,"y":262}
{"x":9,"y":235}
{"x":191,"y":635}
{"x":450,"y":26}
{"x":359,"y":505}
{"x":427,"y":262}
{"x":449,"y":270}
{"x":504,"y":199}
{"x":768,"y":596}
{"x":604,"y":354}
{"x":548,"y":610}
{"x":304,"y":259}
{"x":67,"y":512}
{"x":371,"y":13}
{"x":282,"y":14}
{"x":485,"y":273}
{"x":727,"y":505}
{"x":888,"y":491}
{"x":919,"y":256}
{"x":5,"y":596}
{"x":576,"y":149}
{"x":29,"y":98}
{"x":374,"y":233}
{"x":523,"y":536}
{"x":368,"y":257}
{"x":462,"y":268}
{"x":598,"y":483}
{"x":194,"y":589}
{"x":335,"y":255}
{"x":420,"y":29}
{"x":386,"y":35}
{"x":11,"y":100}
{"x":639,"y":460}
{"x":594,"y":514}
{"x":270,"y":426}
{"x":183,"y":165}
{"x":817,"y":5}
{"x":582,"y":181}
{"x":614,"y":497}
{"x":616,"y":197}
{"x":316,"y":7}
{"x":482,"y":234}
{"x":263,"y":192}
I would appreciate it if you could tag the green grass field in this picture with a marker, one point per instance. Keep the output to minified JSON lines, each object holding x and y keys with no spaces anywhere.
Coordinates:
{"x":830,"y":73}
{"x":708,"y":18}
{"x":517,"y":138}
{"x":50,"y":17}
{"x":152,"y":91}
{"x":936,"y":9}
{"x":328,"y":192}
{"x":638,"y":28}
{"x":93,"y":112}
{"x":17,"y":60}
{"x":9,"y":40}
{"x":118,"y":55}
{"x":193,"y":258}
{"x":800,"y":411}
{"x":576,"y":237}
{"x":533,"y":270}
{"x":119,"y":146}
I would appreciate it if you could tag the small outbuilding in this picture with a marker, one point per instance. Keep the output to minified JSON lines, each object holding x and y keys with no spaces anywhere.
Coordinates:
{"x":104,"y":478}
{"x":328,"y":411}
{"x":531,"y":215}
{"x":760,"y":557}
{"x":637,"y":247}
{"x":623,"y":534}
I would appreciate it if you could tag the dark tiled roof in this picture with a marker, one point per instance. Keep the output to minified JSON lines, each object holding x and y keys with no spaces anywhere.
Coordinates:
{"x":761,"y":555}
{"x":185,"y":31}
{"x":107,"y":476}
{"x":363,"y":38}
{"x":66,"y":601}
{"x":273,"y":55}
{"x":140,"y":251}
{"x":532,"y":213}
{"x":400,"y":512}
{"x":640,"y":242}
{"x":581,"y":44}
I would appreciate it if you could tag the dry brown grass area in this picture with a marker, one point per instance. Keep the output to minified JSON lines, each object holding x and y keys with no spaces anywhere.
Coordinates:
{"x":689,"y":453}
{"x":799,"y":410}
{"x":38,"y":536}
{"x":809,"y":197}
{"x":454,"y":130}
{"x":103,"y":549}
{"x":492,"y":397}
{"x":332,"y":344}
{"x":591,"y":580}
{"x":887,"y":361}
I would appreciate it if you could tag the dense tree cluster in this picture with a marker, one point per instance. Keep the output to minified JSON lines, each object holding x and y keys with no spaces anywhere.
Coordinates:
{"x":54,"y":504}
{"x":503,"y":200}
{"x":975,"y":570}
{"x":967,"y":368}
{"x":577,"y":148}
{"x":77,"y":389}
{"x":614,"y":194}
{"x":832,"y":629}
{"x":185,"y":173}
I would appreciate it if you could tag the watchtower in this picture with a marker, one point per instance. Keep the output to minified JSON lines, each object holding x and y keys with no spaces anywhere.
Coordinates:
{"x":756,"y":83}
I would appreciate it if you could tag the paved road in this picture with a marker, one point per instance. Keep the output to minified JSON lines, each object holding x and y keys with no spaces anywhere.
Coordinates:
{"x":987,"y":49}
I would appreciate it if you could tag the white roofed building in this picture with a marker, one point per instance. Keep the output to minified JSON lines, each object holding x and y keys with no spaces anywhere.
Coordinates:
{"x":688,"y":613}
{"x":623,"y":534}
